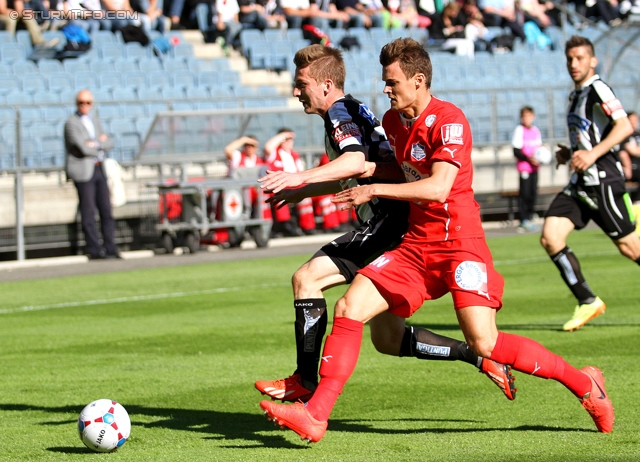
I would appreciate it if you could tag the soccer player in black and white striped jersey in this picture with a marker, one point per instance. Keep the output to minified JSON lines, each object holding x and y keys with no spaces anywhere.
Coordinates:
{"x":597,"y":124}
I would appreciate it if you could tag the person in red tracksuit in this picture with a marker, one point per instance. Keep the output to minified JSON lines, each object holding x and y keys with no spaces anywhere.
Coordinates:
{"x":280,"y":156}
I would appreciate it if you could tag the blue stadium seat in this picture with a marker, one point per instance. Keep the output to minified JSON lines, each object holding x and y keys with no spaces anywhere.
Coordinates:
{"x":124,"y":94}
{"x":148,"y":93}
{"x":101,"y":94}
{"x":172,"y":93}
{"x":150,"y":64}
{"x":229,"y":77}
{"x":7,"y":114}
{"x":132,"y":110}
{"x":41,"y":130}
{"x":143,"y":125}
{"x":128,"y":145}
{"x":18,"y":97}
{"x":50,"y":35}
{"x":9,"y":83}
{"x":55,"y":112}
{"x":47,"y":66}
{"x":267,"y":90}
{"x":173,"y":64}
{"x":152,"y":108}
{"x":159,"y":79}
{"x":182,"y":51}
{"x":183,"y":105}
{"x":33,"y":82}
{"x":198,"y":93}
{"x":11,"y":53}
{"x":6,"y":37}
{"x":46,"y":96}
{"x":109,"y":111}
{"x":259,"y":55}
{"x":206,"y":105}
{"x":24,"y":67}
{"x":207,"y":79}
{"x":58,"y":81}
{"x":30,"y":150}
{"x":125,"y":65}
{"x":100,"y":66}
{"x":135,"y":79}
{"x":8,"y":133}
{"x":100,"y":37}
{"x":6,"y":68}
{"x":74,"y":65}
{"x":135,"y":51}
{"x":24,"y":39}
{"x":68,"y":95}
{"x":274,"y":35}
{"x":293,"y":35}
{"x":110,"y":80}
{"x":248,"y":37}
{"x":110,"y":51}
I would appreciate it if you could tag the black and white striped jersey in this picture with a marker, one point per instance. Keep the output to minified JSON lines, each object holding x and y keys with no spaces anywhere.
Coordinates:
{"x":351,"y":126}
{"x":591,"y":111}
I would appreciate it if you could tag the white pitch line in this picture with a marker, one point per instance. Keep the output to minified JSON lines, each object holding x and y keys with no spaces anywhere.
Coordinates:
{"x":134,"y":298}
{"x":224,"y":289}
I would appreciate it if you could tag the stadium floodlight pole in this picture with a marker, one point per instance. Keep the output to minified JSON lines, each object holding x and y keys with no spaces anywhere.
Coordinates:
{"x":19,"y":196}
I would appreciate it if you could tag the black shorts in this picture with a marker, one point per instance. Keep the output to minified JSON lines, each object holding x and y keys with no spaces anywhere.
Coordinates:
{"x":607,"y":204}
{"x":356,"y":249}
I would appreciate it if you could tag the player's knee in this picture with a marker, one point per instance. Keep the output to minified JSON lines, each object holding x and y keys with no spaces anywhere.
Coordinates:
{"x":481,"y":346}
{"x":304,"y":281}
{"x":550,"y":243}
{"x":384,"y":343}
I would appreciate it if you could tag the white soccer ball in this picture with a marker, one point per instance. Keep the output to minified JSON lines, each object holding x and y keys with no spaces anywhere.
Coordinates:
{"x":543,"y":155}
{"x":104,"y":425}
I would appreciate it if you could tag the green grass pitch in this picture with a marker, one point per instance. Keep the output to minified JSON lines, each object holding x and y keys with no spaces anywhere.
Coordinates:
{"x":180,"y":348}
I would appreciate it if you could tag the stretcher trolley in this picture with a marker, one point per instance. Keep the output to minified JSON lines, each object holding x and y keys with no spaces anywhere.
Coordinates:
{"x":213,"y":211}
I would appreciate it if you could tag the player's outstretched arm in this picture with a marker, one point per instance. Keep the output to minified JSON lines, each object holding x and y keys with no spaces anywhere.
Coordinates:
{"x":293,"y":196}
{"x":348,"y":165}
{"x":436,"y":188}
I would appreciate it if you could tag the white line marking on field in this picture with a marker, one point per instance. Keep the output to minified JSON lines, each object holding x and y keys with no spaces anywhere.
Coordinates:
{"x":135,"y":298}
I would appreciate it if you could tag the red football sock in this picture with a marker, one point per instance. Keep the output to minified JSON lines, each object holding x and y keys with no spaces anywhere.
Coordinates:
{"x":339,"y":358}
{"x":528,"y":356}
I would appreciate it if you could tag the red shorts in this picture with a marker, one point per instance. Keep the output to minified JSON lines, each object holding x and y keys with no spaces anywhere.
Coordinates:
{"x":410,"y":274}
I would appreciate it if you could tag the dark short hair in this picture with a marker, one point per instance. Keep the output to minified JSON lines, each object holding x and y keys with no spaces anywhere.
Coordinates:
{"x":412,"y":58}
{"x":578,"y":41}
{"x":524,"y":109}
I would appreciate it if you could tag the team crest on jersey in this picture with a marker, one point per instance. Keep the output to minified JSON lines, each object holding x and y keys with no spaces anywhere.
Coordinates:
{"x":346,"y":130}
{"x":472,"y":276}
{"x":365,"y":112}
{"x":417,"y":152}
{"x":452,"y":134}
{"x":431,"y":118}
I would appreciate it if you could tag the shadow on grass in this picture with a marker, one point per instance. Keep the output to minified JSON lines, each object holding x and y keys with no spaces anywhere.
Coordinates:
{"x":254,"y":427}
{"x":531,"y":327}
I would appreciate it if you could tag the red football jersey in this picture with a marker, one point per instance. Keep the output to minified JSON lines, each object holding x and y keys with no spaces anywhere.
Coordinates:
{"x":440,"y":133}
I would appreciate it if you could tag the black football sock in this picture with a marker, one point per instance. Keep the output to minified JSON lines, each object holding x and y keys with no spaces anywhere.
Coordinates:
{"x":569,"y":267}
{"x":310,"y":327}
{"x":424,"y":344}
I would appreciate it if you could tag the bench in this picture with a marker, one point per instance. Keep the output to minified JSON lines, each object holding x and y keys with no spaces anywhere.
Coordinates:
{"x":512,"y":195}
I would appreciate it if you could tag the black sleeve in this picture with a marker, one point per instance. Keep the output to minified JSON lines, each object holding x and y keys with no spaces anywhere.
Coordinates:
{"x":520,"y":155}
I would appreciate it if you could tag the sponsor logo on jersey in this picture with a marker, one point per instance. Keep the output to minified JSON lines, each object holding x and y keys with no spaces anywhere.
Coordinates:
{"x":379,"y":263}
{"x":365,"y":112}
{"x":612,"y":106}
{"x":452,"y":134}
{"x":472,"y":276}
{"x":417,"y":152}
{"x":411,"y":173}
{"x":431,"y":118}
{"x":433,"y":350}
{"x":574,"y":120}
{"x":346,"y":130}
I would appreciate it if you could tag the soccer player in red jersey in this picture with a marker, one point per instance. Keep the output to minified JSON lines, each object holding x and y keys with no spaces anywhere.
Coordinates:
{"x":444,"y":250}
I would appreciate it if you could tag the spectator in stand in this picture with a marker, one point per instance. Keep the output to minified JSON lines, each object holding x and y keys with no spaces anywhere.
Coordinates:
{"x":357,"y":15}
{"x":280,"y":156}
{"x":115,"y":6}
{"x":227,"y":21}
{"x":449,"y":28}
{"x":607,"y":11}
{"x":85,"y":12}
{"x":86,"y":143}
{"x":245,"y":157}
{"x":321,"y":14}
{"x":535,"y":11}
{"x":526,"y":140}
{"x":261,"y":14}
{"x":12,"y":12}
{"x":376,"y":10}
{"x":150,"y":14}
{"x":474,"y":29}
{"x":502,"y":13}
{"x":175,"y":9}
{"x":403,"y":13}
